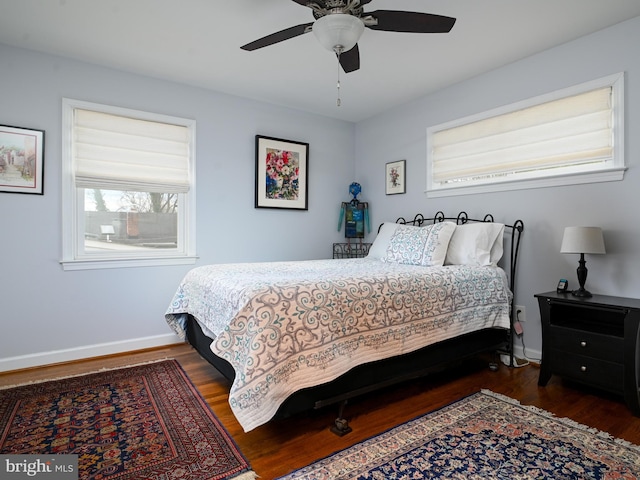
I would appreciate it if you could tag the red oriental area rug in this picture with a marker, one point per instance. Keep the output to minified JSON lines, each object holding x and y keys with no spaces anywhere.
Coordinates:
{"x":146,"y":421}
{"x":483,"y":436}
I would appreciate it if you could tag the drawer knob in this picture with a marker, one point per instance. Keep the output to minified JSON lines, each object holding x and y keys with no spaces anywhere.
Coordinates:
{"x":583,"y":344}
{"x":583,"y":368}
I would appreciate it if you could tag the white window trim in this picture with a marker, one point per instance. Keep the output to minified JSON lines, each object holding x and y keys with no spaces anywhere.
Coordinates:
{"x":580,"y":175}
{"x":72,"y":234}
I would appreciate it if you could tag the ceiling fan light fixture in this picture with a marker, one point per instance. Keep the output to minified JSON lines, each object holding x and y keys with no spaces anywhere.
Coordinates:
{"x":338,"y":32}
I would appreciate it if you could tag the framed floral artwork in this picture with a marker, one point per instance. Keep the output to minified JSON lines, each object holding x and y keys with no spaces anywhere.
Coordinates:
{"x":21,"y":160}
{"x":395,"y":177}
{"x":282,"y":171}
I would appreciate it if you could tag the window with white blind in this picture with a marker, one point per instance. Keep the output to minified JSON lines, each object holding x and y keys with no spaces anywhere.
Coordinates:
{"x":571,"y":136}
{"x":128,"y":187}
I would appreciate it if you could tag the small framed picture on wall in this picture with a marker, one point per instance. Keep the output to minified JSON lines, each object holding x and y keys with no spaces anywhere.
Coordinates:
{"x":395,"y":177}
{"x":21,"y":160}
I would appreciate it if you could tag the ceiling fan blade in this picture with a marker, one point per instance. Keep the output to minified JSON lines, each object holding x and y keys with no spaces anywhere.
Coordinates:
{"x":350,"y":60}
{"x":412,"y":22}
{"x":280,"y":36}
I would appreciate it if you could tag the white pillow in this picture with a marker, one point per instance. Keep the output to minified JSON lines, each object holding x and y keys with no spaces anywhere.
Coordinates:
{"x":425,"y":246}
{"x":379,"y":248}
{"x":478,"y":243}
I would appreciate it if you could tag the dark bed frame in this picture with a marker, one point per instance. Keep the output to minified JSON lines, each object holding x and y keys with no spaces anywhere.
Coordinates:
{"x":383,"y":373}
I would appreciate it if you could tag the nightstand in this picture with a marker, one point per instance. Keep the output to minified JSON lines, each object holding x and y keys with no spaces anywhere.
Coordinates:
{"x":592,"y":341}
{"x":351,"y":250}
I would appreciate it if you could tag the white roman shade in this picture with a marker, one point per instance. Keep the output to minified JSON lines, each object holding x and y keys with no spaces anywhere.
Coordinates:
{"x":122,"y":153}
{"x":574,"y":130}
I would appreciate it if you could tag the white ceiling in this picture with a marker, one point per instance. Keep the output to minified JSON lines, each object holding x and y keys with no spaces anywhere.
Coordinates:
{"x":197,"y":42}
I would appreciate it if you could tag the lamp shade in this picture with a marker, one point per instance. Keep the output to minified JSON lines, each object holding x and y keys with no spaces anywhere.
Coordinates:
{"x":338,"y":32}
{"x":582,"y":240}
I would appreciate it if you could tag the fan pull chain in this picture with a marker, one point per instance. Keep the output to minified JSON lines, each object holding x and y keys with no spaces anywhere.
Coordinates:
{"x":338,"y":101}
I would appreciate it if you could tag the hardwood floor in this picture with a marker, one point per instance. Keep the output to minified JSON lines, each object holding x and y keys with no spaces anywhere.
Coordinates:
{"x":284,"y":445}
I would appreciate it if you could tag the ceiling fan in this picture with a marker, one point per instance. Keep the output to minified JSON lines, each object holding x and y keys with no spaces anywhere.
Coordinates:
{"x":340,"y":23}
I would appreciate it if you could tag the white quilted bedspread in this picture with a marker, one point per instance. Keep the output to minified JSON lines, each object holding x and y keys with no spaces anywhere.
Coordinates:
{"x":285,"y":326}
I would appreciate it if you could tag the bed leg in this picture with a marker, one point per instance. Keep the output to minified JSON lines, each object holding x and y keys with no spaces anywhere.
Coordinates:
{"x":493,"y":364}
{"x":341,"y":425}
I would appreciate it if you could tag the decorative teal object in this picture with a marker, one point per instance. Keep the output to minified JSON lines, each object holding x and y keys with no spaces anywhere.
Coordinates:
{"x":355,"y":189}
{"x":355,"y":214}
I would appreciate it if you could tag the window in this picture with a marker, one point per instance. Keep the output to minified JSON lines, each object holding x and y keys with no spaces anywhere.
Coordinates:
{"x":571,"y":136}
{"x":128,"y":189}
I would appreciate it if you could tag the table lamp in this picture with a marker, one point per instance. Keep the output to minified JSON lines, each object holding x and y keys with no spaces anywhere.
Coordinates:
{"x":582,"y":240}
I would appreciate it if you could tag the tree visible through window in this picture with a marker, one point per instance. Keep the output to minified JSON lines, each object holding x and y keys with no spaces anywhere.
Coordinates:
{"x":137,"y":219}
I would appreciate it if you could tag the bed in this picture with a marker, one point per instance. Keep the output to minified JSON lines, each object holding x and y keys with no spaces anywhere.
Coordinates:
{"x":296,"y":336}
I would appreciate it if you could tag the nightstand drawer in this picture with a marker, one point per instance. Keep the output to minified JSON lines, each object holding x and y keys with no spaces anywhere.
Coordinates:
{"x":590,"y":344}
{"x":588,"y":370}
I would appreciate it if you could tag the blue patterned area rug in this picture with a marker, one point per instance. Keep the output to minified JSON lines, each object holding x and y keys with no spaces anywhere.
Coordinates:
{"x":483,"y":436}
{"x":141,"y":422}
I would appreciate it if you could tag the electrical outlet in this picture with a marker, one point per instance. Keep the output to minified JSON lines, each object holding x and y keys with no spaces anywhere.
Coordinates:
{"x":521,"y":314}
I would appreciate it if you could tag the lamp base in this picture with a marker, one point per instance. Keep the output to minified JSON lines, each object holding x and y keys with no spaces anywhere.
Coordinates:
{"x":581,"y":292}
{"x":582,"y":278}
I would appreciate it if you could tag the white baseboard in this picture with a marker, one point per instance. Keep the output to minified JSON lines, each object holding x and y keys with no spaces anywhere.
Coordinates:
{"x":531,"y":355}
{"x":79,"y":353}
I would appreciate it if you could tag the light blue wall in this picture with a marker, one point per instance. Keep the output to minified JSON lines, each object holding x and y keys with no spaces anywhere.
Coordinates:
{"x":47,"y":314}
{"x":401,"y":134}
{"x":83,"y":313}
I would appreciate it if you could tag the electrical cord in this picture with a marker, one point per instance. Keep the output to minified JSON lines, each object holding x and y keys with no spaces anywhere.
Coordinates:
{"x":524,"y":347}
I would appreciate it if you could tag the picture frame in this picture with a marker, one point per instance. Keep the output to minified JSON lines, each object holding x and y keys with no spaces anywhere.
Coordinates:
{"x":395,"y":176}
{"x":21,"y":160}
{"x":282,"y":173}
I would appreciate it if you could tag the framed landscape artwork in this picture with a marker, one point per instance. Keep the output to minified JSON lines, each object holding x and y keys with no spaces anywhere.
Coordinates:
{"x":395,"y":177}
{"x":21,"y":160}
{"x":281,"y":173}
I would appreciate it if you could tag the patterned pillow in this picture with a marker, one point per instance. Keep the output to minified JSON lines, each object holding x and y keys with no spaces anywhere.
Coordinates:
{"x":426,"y":246}
{"x":379,"y":248}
